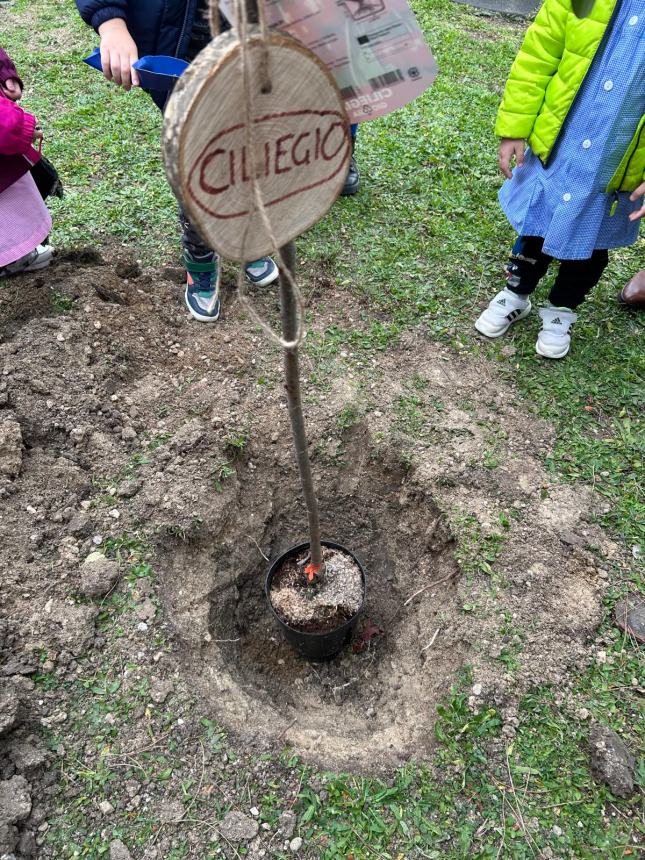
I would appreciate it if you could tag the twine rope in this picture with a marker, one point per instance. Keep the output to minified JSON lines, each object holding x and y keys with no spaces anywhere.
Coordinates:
{"x":251,"y":82}
{"x":213,"y":18}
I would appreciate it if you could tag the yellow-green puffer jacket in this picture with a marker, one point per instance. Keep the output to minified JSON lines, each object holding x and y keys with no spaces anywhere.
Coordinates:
{"x":545,"y":78}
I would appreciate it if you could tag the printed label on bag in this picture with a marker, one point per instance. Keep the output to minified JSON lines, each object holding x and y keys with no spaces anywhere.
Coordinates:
{"x":374,"y":48}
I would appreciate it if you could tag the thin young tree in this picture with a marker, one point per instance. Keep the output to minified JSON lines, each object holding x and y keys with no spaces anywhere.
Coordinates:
{"x":289,"y":311}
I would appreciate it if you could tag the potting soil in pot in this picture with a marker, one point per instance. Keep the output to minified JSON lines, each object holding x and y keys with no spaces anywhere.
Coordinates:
{"x":321,"y":606}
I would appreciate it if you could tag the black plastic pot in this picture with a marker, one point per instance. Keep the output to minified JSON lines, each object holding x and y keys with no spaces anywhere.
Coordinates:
{"x":315,"y":646}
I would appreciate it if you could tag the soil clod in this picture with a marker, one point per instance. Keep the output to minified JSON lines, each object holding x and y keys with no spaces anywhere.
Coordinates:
{"x":98,"y":575}
{"x":160,"y":690}
{"x":27,"y":757}
{"x":119,"y":851}
{"x":15,"y":800}
{"x":237,"y":827}
{"x":9,"y":707}
{"x":629,"y":616}
{"x":10,"y":448}
{"x":611,"y":761}
{"x":287,"y":823}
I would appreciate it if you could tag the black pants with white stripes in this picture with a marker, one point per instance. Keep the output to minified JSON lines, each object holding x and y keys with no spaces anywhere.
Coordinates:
{"x":528,"y":264}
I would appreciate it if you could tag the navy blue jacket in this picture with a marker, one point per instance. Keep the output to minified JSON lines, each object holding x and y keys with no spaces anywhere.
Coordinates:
{"x":157,"y":26}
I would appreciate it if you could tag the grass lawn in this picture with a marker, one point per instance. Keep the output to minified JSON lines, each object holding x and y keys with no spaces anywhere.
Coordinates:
{"x":425,"y":241}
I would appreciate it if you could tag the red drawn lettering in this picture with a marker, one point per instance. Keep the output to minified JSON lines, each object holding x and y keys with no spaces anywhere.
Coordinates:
{"x":267,"y":160}
{"x":245,"y":175}
{"x":330,"y":156}
{"x":307,"y":154}
{"x":205,"y":185}
{"x":225,"y":163}
{"x":280,"y":153}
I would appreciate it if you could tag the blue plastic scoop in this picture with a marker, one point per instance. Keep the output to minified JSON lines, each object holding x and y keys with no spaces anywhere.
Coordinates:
{"x":155,"y":73}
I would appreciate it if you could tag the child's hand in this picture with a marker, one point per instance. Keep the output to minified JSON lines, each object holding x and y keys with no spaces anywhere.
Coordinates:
{"x":118,"y":53}
{"x":12,"y":89}
{"x":38,"y":136}
{"x":509,"y":147}
{"x":639,"y":213}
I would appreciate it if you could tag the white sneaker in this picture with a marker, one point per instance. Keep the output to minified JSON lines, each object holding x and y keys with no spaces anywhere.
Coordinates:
{"x":505,"y":309}
{"x":554,"y":340}
{"x":37,"y":259}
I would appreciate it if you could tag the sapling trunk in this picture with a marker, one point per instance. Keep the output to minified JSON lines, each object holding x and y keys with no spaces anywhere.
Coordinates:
{"x":289,"y":312}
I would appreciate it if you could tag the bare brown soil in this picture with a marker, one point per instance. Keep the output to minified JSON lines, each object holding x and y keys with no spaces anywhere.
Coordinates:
{"x":123,"y":416}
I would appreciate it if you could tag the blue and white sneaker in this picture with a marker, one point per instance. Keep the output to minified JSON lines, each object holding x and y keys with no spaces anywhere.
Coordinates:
{"x":261,"y":272}
{"x":202,"y":288}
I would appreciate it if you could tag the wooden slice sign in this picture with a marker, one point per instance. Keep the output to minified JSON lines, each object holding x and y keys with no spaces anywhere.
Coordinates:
{"x":300,"y":146}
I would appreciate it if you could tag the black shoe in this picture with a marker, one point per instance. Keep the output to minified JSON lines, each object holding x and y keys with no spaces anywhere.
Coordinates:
{"x":353,"y":180}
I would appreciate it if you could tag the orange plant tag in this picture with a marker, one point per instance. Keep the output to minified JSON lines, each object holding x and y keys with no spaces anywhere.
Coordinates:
{"x":312,"y":571}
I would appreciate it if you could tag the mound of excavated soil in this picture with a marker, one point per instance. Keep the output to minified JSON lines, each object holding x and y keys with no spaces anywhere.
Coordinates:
{"x":121,"y":415}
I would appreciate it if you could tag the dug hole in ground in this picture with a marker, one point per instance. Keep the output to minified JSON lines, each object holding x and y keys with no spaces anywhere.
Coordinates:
{"x":122,"y":420}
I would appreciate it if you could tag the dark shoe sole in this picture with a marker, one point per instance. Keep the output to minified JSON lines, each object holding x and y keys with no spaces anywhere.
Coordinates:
{"x":350,"y":190}
{"x":639,"y":306}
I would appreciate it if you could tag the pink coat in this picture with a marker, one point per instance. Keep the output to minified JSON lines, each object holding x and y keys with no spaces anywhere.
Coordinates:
{"x":17,"y":153}
{"x":24,"y":219}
